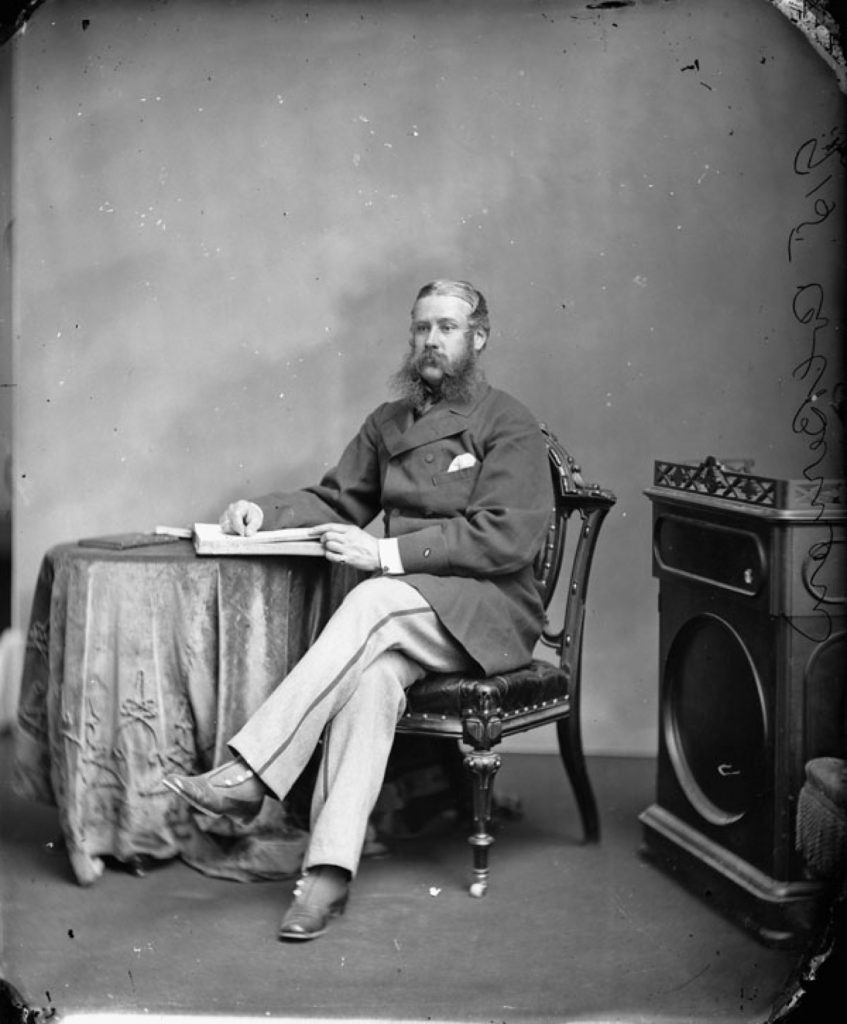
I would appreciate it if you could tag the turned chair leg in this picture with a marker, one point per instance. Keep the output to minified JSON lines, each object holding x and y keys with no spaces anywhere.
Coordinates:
{"x":483,"y":766}
{"x":573,"y":758}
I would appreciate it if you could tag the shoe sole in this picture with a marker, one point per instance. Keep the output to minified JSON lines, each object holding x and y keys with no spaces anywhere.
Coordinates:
{"x":300,"y":937}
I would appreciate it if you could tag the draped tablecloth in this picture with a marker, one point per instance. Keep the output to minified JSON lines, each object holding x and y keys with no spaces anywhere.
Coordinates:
{"x":143,"y":662}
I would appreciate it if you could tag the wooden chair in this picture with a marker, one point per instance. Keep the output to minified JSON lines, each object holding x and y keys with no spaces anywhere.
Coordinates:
{"x":482,"y":711}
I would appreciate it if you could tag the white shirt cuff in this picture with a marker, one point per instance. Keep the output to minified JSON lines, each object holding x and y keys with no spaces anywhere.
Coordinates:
{"x":389,"y":556}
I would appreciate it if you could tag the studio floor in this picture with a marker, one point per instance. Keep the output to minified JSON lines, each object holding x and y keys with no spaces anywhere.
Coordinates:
{"x":567,"y":932}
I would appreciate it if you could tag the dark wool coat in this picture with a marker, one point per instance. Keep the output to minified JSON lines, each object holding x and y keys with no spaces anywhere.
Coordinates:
{"x":468,"y":536}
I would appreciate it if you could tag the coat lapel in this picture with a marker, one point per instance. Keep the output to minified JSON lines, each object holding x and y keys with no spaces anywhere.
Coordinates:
{"x":402,"y":432}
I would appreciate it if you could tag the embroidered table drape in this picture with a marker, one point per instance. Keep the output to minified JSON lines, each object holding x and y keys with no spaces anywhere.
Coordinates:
{"x":143,"y":662}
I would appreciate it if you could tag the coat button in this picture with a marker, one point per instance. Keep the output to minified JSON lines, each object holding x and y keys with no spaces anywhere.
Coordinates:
{"x":428,"y":457}
{"x":427,"y":552}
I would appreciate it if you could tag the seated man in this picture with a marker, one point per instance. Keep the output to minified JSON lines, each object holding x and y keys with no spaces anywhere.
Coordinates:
{"x":459,"y":471}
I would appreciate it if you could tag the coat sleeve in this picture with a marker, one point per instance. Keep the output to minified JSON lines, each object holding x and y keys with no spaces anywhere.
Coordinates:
{"x":506,"y":517}
{"x":348,"y":493}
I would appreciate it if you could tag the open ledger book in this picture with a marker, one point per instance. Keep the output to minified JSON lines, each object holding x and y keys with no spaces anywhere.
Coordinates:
{"x":210,"y":539}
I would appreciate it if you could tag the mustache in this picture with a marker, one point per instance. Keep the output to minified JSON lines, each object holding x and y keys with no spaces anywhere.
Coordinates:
{"x":459,"y":383}
{"x":432,"y":357}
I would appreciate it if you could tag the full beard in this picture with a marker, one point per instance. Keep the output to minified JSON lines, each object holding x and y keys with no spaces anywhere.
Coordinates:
{"x":458,"y":384}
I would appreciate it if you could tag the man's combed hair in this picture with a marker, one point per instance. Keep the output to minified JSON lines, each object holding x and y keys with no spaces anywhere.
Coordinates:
{"x":478,"y":320}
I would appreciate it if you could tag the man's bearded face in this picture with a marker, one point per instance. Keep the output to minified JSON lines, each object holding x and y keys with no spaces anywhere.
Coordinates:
{"x":442,"y":362}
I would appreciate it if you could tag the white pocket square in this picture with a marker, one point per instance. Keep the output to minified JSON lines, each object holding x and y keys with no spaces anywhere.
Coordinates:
{"x":463,"y":461}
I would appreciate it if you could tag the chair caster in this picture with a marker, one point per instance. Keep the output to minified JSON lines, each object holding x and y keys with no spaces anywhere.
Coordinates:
{"x":478,"y":889}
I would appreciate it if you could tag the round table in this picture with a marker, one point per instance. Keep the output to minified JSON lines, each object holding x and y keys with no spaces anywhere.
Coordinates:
{"x":142,"y":662}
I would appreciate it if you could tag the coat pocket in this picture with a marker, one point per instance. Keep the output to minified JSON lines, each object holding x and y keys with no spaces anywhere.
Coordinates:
{"x":452,"y":491}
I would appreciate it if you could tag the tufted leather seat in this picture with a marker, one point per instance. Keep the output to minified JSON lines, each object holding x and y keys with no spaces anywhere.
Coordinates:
{"x":482,"y":711}
{"x":515,"y":693}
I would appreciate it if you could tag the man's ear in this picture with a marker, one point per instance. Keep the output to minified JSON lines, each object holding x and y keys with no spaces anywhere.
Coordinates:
{"x":480,"y":339}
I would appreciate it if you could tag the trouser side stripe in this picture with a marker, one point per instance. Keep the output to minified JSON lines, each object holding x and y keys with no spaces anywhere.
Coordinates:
{"x":337,"y":679}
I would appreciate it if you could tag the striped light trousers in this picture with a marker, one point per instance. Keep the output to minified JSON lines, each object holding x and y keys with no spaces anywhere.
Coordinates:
{"x":349,"y":689}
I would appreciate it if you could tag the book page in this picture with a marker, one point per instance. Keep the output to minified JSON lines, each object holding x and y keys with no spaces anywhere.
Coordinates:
{"x":213,"y":532}
{"x":210,"y":539}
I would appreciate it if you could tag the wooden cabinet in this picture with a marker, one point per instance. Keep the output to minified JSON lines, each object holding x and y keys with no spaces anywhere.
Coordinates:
{"x":752,"y":664}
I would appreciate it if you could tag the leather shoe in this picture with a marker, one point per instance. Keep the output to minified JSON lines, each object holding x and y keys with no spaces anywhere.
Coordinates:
{"x":216,"y":793}
{"x":320,"y":895}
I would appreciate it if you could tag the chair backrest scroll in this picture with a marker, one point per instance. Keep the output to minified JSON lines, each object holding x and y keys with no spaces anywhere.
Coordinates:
{"x":591,"y":503}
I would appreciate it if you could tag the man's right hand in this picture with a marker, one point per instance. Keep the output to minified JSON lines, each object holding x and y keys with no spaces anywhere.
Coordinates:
{"x":242,"y":517}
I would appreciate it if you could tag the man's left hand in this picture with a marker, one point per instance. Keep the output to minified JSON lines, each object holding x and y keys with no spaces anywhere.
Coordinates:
{"x":348,"y":544}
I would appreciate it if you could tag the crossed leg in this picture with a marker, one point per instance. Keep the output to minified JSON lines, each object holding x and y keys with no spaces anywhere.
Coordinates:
{"x":349,"y":688}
